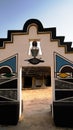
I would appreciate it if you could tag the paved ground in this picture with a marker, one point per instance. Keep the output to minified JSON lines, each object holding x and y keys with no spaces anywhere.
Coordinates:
{"x":37,"y":112}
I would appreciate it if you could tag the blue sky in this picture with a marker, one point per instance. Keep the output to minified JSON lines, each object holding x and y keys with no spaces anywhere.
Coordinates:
{"x":52,"y":13}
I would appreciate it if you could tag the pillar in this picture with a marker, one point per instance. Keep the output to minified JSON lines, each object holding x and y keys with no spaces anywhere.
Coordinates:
{"x":20,"y":90}
{"x":33,"y":82}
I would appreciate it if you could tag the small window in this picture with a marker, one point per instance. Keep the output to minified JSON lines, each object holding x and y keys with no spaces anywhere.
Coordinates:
{"x":31,"y":45}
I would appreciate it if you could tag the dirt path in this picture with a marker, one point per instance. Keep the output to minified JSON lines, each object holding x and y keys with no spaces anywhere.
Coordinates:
{"x":37,"y":101}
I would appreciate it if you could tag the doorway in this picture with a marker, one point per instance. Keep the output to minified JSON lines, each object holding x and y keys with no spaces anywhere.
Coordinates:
{"x":28,"y":81}
{"x":37,"y":93}
{"x":36,"y":77}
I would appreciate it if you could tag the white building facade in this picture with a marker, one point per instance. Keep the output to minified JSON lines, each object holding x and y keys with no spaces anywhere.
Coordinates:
{"x":37,"y":55}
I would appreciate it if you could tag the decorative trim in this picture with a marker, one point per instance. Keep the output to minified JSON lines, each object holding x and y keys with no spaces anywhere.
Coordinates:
{"x":4,"y":63}
{"x":60,"y":61}
{"x":40,"y":29}
{"x":9,"y":69}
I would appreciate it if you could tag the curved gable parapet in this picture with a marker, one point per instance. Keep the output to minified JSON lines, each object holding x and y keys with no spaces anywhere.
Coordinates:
{"x":40,"y":29}
{"x":32,"y":22}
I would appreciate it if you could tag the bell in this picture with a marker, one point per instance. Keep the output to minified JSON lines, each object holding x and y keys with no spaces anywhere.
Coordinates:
{"x":35,"y":49}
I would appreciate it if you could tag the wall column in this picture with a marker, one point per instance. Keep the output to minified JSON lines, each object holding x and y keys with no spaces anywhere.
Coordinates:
{"x":53,"y":86}
{"x":33,"y":82}
{"x":20,"y":90}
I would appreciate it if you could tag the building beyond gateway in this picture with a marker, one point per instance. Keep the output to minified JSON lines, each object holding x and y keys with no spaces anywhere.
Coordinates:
{"x":35,"y":57}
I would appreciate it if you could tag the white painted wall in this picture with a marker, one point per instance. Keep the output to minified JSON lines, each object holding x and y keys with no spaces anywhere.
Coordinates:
{"x":20,"y":45}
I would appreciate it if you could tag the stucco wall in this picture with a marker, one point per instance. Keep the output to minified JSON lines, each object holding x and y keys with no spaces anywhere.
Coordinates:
{"x":20,"y":43}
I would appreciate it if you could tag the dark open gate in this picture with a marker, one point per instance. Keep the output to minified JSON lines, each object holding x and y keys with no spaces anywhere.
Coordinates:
{"x":38,"y":74}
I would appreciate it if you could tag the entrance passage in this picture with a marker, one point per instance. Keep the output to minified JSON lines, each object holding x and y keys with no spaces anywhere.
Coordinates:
{"x":35,"y":77}
{"x":37,"y":101}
